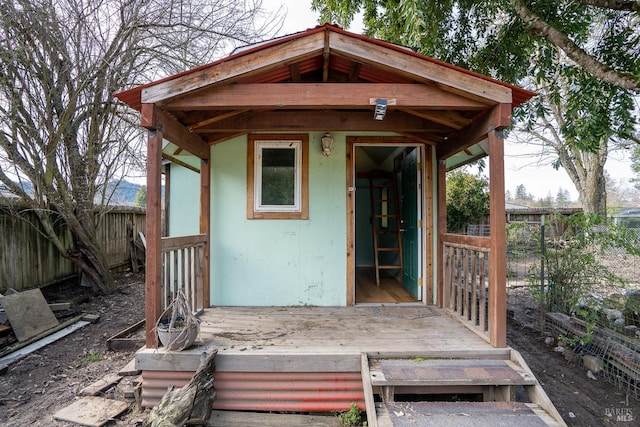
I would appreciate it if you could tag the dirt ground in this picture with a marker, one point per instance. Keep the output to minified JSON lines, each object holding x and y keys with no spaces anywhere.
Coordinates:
{"x":34,"y":388}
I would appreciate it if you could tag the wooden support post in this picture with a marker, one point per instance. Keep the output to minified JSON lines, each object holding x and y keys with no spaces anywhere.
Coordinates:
{"x":442,"y":227}
{"x":153,"y":233}
{"x":205,"y":227}
{"x":167,"y":199}
{"x":497,"y":257}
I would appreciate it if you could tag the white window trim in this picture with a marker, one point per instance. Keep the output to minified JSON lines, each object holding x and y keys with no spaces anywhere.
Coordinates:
{"x":279,"y":144}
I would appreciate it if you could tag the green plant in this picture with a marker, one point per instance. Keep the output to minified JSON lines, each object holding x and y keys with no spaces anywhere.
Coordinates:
{"x":352,"y":417}
{"x":93,"y":356}
{"x":577,"y":283}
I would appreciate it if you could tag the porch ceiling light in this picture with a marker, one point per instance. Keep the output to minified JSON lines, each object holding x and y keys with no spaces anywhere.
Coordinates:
{"x":381,"y":109}
{"x":327,"y":143}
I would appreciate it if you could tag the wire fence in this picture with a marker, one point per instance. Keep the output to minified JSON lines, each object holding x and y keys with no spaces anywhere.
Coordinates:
{"x":582,"y":289}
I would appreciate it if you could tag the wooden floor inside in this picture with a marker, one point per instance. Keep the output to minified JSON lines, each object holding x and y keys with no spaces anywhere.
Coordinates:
{"x":390,"y":289}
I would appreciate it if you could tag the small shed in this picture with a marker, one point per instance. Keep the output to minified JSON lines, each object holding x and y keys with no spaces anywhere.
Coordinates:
{"x":310,"y":170}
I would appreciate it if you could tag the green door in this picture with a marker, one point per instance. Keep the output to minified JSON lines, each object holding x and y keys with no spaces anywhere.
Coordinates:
{"x":410,"y":216}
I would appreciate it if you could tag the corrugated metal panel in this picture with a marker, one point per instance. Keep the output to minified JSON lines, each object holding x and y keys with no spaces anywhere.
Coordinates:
{"x":267,"y":391}
{"x":156,"y":383}
{"x":288,"y":391}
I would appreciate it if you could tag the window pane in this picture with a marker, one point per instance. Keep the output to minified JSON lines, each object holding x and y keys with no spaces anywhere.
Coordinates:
{"x":278,"y":176}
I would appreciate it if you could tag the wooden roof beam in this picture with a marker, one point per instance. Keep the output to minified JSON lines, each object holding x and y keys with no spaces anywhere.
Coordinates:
{"x":322,"y":95}
{"x":498,"y":118}
{"x":153,"y":118}
{"x":287,"y":120}
{"x":234,"y":67}
{"x":417,"y":68}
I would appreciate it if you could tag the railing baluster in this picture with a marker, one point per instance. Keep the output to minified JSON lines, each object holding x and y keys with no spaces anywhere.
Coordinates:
{"x":465,"y":292}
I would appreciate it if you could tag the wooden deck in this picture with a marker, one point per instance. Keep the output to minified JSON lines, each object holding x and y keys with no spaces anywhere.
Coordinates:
{"x":321,"y":359}
{"x":332,"y":331}
{"x":316,"y":339}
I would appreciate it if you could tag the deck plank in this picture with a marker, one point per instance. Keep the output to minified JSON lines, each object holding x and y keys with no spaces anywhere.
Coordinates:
{"x":244,"y":333}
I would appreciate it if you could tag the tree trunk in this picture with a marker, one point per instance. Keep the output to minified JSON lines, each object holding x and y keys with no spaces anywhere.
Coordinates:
{"x":189,"y":403}
{"x":594,"y":195}
{"x":85,"y":252}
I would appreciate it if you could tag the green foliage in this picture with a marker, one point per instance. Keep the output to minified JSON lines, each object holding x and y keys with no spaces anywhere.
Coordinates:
{"x":467,"y":200}
{"x":352,"y":417}
{"x":635,"y":167}
{"x":93,"y":356}
{"x":576,"y":279}
{"x":492,"y":37}
{"x":141,"y":197}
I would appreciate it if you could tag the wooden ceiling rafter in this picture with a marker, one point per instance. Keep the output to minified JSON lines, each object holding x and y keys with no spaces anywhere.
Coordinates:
{"x":499,"y":117}
{"x":354,"y":71}
{"x":294,"y":72}
{"x":451,"y":119}
{"x":214,"y":119}
{"x":326,"y":54}
{"x":177,"y":161}
{"x":222,"y":137}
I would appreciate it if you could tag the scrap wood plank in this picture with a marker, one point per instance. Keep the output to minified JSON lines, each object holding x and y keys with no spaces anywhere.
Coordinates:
{"x":251,"y":419}
{"x":19,"y":345}
{"x":122,"y":341}
{"x":101,"y":385}
{"x":129,"y":369}
{"x":27,"y":349}
{"x":91,"y":411}
{"x":29,"y":313}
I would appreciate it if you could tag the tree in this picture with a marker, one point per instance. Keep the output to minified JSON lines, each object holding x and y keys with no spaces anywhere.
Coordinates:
{"x":522,"y":195}
{"x":563,"y":198}
{"x":497,"y":36}
{"x":62,"y":134}
{"x":141,"y":197}
{"x":635,"y":167}
{"x":581,"y":56}
{"x":467,"y":200}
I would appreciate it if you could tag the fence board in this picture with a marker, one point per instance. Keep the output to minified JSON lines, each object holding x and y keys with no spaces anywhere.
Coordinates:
{"x":28,"y":259}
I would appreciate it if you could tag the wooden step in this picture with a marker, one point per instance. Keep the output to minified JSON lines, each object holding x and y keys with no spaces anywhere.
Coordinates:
{"x":447,"y":372}
{"x":462,"y":414}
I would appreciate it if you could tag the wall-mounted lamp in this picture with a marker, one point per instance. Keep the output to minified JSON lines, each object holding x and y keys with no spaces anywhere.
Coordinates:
{"x":327,"y":143}
{"x":381,"y":109}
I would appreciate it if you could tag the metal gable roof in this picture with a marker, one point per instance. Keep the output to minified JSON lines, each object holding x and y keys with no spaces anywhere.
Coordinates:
{"x":133,"y":97}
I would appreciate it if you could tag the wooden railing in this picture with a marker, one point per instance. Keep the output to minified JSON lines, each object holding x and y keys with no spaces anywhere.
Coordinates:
{"x":183,"y":269}
{"x":466,"y":280}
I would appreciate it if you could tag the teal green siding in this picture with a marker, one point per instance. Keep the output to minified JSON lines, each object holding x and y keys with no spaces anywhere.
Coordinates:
{"x":184,"y":203}
{"x":265,"y":262}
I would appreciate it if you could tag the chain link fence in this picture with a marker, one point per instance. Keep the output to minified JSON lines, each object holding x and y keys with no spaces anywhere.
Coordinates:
{"x":581,"y":287}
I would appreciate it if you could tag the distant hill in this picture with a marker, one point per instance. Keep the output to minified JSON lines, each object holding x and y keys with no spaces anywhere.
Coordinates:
{"x":122,"y":193}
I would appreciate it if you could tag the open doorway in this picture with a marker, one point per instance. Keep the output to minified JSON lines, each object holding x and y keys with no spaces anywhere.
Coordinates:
{"x":388,"y":229}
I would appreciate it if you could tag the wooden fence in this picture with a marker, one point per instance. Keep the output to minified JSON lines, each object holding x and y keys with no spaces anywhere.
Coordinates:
{"x":28,"y":259}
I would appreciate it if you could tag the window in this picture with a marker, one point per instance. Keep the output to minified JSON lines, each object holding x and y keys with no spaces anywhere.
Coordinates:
{"x":277,"y":177}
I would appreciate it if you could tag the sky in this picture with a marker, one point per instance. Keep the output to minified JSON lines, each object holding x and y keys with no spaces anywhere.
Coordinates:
{"x":522,"y":164}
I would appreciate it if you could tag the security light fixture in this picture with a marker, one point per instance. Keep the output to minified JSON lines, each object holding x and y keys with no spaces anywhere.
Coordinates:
{"x":381,"y":109}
